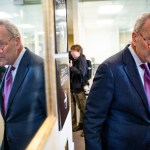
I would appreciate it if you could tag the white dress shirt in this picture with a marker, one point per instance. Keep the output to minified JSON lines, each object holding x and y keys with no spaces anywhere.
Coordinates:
{"x":17,"y":62}
{"x":138,"y":63}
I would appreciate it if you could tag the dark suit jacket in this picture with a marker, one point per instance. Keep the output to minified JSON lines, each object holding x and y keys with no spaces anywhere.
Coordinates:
{"x":26,"y":109}
{"x":2,"y":72}
{"x":117,"y":115}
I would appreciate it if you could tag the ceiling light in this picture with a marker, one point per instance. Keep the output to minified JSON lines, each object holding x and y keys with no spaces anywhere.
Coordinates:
{"x":15,"y":15}
{"x":105,"y":22}
{"x":4,"y":15}
{"x":25,"y":37}
{"x":40,"y":32}
{"x":110,"y":9}
{"x":26,"y":26}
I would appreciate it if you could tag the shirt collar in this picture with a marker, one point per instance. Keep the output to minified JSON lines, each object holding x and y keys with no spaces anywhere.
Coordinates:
{"x":16,"y":63}
{"x":136,"y":58}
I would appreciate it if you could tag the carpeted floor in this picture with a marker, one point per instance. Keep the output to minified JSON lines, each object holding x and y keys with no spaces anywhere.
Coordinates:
{"x":78,"y":140}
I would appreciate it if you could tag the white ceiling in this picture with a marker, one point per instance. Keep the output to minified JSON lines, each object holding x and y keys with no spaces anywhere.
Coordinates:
{"x":88,"y":12}
{"x":123,"y":20}
{"x":23,"y":14}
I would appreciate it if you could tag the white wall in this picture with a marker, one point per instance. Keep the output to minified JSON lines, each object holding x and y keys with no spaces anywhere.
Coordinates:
{"x":1,"y":128}
{"x":100,"y":43}
{"x":57,"y":139}
{"x":99,"y":37}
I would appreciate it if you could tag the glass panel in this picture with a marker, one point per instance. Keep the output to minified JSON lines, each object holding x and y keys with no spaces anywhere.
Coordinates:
{"x":28,"y":16}
{"x":29,"y":19}
{"x":61,"y":26}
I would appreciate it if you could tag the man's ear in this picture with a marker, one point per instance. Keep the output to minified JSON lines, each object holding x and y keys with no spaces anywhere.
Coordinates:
{"x":134,"y":38}
{"x":18,"y":41}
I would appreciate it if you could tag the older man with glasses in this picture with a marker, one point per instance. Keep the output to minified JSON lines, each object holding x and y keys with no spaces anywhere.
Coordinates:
{"x":22,"y":92}
{"x":117,"y":115}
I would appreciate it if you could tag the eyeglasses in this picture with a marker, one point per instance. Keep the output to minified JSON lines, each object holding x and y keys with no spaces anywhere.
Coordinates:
{"x":2,"y":46}
{"x":146,"y":40}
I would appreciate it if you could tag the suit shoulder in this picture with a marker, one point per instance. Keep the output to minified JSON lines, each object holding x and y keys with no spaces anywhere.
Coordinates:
{"x":114,"y":58}
{"x":34,"y":58}
{"x":116,"y":61}
{"x":118,"y":58}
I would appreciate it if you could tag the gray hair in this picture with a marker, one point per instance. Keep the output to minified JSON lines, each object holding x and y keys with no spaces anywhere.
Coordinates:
{"x":10,"y":27}
{"x":140,"y":22}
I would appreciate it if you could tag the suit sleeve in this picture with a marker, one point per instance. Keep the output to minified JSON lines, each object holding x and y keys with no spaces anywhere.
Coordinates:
{"x":97,"y":108}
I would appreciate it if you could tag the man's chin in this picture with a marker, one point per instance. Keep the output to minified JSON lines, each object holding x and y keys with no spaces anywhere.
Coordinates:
{"x":2,"y":63}
{"x":147,"y":60}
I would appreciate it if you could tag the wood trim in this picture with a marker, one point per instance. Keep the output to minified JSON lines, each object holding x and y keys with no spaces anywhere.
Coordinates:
{"x":41,"y":136}
{"x":43,"y":133}
{"x":50,"y":70}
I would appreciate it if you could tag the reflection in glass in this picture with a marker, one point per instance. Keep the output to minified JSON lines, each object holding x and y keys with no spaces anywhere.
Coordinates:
{"x":28,"y":17}
{"x":61,"y":26}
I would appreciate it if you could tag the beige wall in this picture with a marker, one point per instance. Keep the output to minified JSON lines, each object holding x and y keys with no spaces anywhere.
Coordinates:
{"x":1,"y":128}
{"x":70,"y":41}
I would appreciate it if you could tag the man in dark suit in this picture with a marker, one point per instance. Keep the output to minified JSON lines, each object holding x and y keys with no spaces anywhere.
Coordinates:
{"x":117,"y":115}
{"x":26,"y":107}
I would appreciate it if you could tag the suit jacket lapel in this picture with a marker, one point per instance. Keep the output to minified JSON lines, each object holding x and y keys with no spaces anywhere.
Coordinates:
{"x":133,"y":74}
{"x":19,"y":78}
{"x":1,"y":95}
{"x":149,"y":65}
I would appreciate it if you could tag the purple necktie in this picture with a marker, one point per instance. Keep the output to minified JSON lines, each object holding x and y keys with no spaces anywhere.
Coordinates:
{"x":7,"y":86}
{"x":146,"y":81}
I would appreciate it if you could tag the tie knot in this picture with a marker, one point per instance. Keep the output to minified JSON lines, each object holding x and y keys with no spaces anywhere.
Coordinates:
{"x":147,"y":71}
{"x":12,"y":68}
{"x":144,"y":66}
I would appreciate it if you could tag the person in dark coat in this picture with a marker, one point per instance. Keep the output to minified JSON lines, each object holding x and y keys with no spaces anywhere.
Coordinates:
{"x":78,"y":71}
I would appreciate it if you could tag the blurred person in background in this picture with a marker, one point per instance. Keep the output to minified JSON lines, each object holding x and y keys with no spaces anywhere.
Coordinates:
{"x":78,"y":71}
{"x":73,"y":102}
